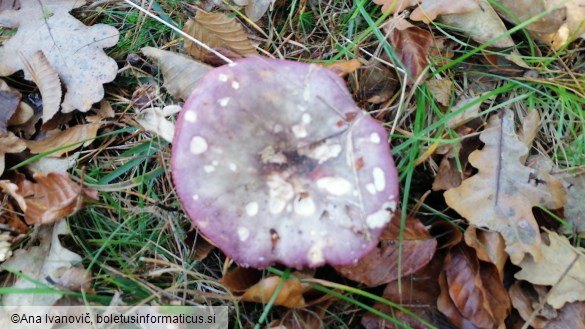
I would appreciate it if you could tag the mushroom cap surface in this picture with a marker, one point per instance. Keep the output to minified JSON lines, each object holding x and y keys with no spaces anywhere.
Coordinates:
{"x":274,"y":163}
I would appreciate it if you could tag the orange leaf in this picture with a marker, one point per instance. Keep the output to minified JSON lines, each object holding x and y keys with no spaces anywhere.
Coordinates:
{"x":291,"y":294}
{"x":66,"y":140}
{"x":53,"y":197}
{"x":344,"y":68}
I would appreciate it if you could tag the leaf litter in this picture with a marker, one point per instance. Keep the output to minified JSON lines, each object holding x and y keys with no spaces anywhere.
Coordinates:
{"x":456,"y":280}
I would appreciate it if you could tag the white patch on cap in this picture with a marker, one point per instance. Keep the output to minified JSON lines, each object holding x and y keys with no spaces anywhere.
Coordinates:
{"x":280,"y":192}
{"x":306,"y":118}
{"x":380,"y":217}
{"x":252,"y":209}
{"x":208,"y":168}
{"x":215,"y":163}
{"x":334,"y":185}
{"x":299,"y":130}
{"x":304,"y":206}
{"x":315,"y":254}
{"x":232,"y":64}
{"x":277,"y":128}
{"x":379,"y":179}
{"x":233,"y":167}
{"x":191,"y":116}
{"x":198,"y":145}
{"x":222,"y":77}
{"x":323,"y":152}
{"x":375,"y":138}
{"x":371,"y":188}
{"x":306,"y":94}
{"x":243,"y":233}
{"x":195,"y":197}
{"x":223,"y":102}
{"x":235,"y":85}
{"x":301,"y":108}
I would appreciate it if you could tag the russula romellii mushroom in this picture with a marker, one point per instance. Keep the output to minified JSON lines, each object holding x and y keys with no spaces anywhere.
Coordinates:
{"x":274,"y":163}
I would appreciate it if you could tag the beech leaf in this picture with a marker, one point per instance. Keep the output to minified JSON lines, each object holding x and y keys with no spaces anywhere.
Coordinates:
{"x":428,"y":10}
{"x":412,"y":46}
{"x":562,"y":266}
{"x":53,"y":197}
{"x":381,"y":264}
{"x":64,"y":141}
{"x":503,"y":192}
{"x":47,"y":80}
{"x":180,"y":72}
{"x":74,"y":50}
{"x":217,"y":30}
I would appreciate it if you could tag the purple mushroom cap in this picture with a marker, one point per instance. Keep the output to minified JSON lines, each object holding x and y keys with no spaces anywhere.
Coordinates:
{"x":274,"y":163}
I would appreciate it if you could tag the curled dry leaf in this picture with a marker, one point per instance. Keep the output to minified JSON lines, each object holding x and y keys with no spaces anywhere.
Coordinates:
{"x":60,"y":142}
{"x":47,"y":80}
{"x":52,"y":198}
{"x":257,"y":289}
{"x":180,"y":72}
{"x":74,"y":50}
{"x":501,"y":195}
{"x":10,"y":144}
{"x":562,"y":267}
{"x":216,"y":30}
{"x":412,"y":46}
{"x":472,"y":292}
{"x":154,"y":120}
{"x":449,"y":176}
{"x":525,"y":298}
{"x":45,"y":263}
{"x":345,"y":67}
{"x":562,"y":23}
{"x":298,"y":319}
{"x":381,"y":264}
{"x":489,"y":246}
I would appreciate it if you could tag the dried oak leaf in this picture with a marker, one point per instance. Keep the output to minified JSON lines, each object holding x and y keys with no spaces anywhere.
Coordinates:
{"x":501,"y":195}
{"x":180,"y":72}
{"x":381,"y":264}
{"x":217,"y":30}
{"x":562,"y":266}
{"x":74,"y":50}
{"x":52,"y":198}
{"x":45,"y":263}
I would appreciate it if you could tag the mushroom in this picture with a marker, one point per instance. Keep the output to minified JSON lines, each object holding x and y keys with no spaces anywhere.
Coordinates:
{"x":274,"y":163}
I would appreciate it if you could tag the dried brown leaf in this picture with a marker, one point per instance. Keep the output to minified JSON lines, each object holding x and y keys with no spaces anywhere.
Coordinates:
{"x":298,"y":319}
{"x":562,"y":23}
{"x":562,"y":266}
{"x":412,"y":46}
{"x":378,"y":83}
{"x":179,"y":71}
{"x":575,"y":207}
{"x":74,"y":50}
{"x":525,"y":298}
{"x":44,"y":263}
{"x":501,"y":195}
{"x":291,"y":294}
{"x":8,"y":104}
{"x":52,"y":198}
{"x":482,"y":24}
{"x":47,"y":80}
{"x":10,"y":144}
{"x":154,"y":120}
{"x":345,"y":67}
{"x":475,"y":296}
{"x":428,"y":10}
{"x":381,"y":264}
{"x":449,"y":175}
{"x":441,"y":90}
{"x":60,"y":142}
{"x":489,"y":246}
{"x":255,"y":9}
{"x":216,"y":30}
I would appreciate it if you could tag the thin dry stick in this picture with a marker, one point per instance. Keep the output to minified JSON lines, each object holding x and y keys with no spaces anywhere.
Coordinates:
{"x":174,"y":28}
